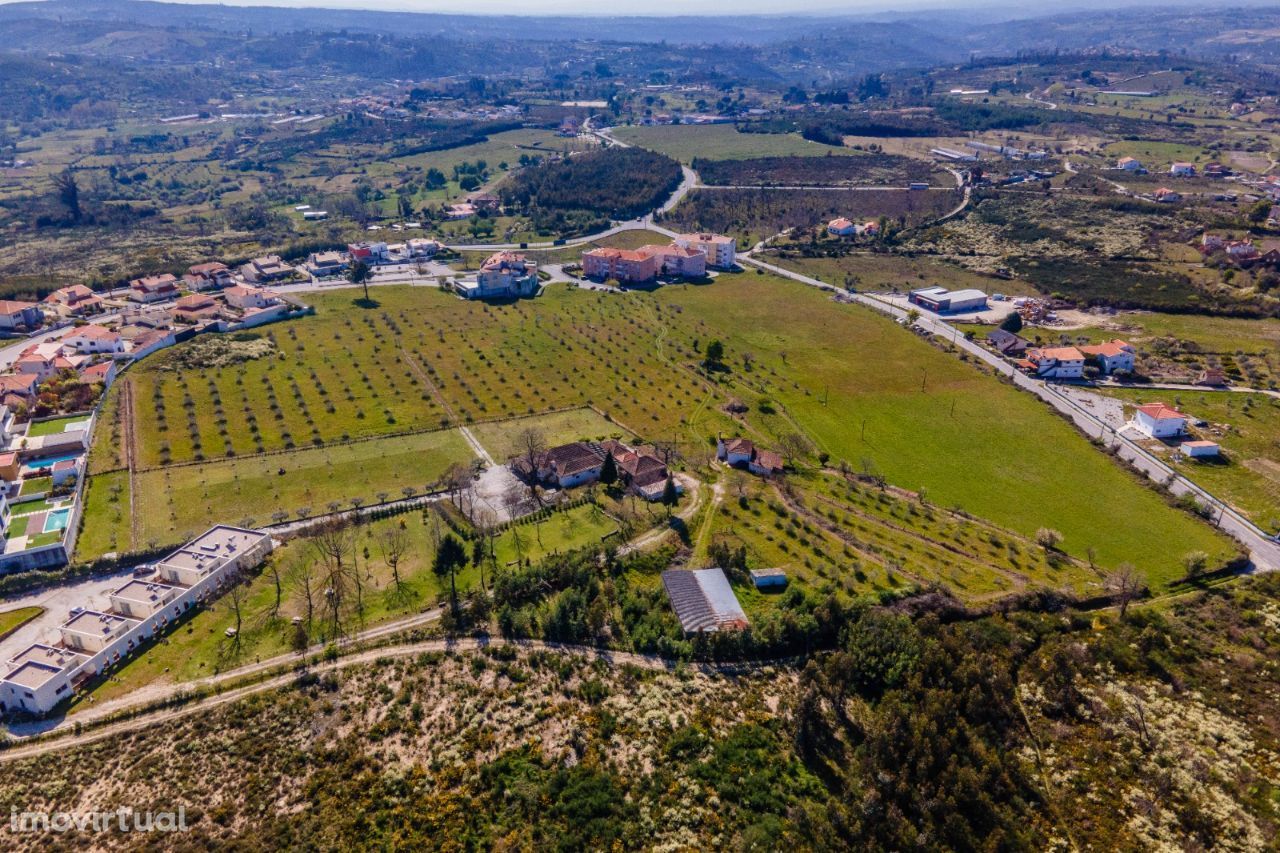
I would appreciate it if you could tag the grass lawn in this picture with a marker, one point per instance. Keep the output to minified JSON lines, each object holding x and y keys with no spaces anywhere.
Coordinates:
{"x":39,"y":505}
{"x":35,"y":485}
{"x":199,"y":646}
{"x":723,"y":142}
{"x":55,"y":426}
{"x":1247,"y":426}
{"x":17,"y":526}
{"x":104,"y":524}
{"x":176,"y":504}
{"x":580,"y":527}
{"x":501,"y":438}
{"x":12,"y":620}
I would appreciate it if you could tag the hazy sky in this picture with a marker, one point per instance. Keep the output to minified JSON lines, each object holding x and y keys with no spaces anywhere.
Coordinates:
{"x":616,"y":7}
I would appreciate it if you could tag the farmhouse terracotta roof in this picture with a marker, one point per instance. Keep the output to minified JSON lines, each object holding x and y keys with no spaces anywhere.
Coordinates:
{"x":13,"y":306}
{"x":1159,"y":412}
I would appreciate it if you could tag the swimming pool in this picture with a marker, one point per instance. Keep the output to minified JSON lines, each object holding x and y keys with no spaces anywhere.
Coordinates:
{"x":57,"y":519}
{"x":47,"y":462}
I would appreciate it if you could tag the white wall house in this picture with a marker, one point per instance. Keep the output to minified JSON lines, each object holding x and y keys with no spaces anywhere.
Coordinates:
{"x":1159,"y":421}
{"x":721,"y":251}
{"x":1112,"y":356}
{"x":1057,"y":362}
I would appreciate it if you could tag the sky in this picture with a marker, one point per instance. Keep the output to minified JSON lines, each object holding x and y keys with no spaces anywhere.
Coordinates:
{"x":580,"y":8}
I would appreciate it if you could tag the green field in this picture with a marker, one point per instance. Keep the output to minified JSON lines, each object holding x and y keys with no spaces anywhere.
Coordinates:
{"x":1247,"y":426}
{"x":501,"y":438}
{"x":723,"y":142}
{"x":858,"y":386}
{"x":581,"y":527}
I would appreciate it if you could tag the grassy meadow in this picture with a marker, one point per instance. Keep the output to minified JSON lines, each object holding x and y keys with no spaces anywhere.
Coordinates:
{"x":723,"y":142}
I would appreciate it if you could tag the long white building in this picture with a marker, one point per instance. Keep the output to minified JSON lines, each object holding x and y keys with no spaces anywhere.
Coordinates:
{"x":93,"y":640}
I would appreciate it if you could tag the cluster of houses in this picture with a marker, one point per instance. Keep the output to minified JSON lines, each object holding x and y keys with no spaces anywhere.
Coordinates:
{"x":335,"y":263}
{"x":688,"y":256}
{"x":1064,"y":362}
{"x":96,"y":638}
{"x":41,"y":463}
{"x":1242,"y":253}
{"x":843,"y":227}
{"x":640,"y":470}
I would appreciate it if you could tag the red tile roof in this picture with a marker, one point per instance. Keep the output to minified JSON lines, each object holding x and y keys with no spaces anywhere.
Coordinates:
{"x":1159,"y":411}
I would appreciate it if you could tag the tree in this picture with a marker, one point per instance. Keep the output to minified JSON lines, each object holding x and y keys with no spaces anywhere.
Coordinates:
{"x":1260,"y":211}
{"x":1123,"y":585}
{"x":530,"y":445}
{"x":450,"y":556}
{"x":1195,"y":563}
{"x":359,"y":273}
{"x":714,"y":358}
{"x":394,"y":544}
{"x":670,"y":495}
{"x":1012,"y":323}
{"x":69,"y":194}
{"x":1048,"y":538}
{"x":236,"y":598}
{"x":609,"y":471}
{"x":794,"y":446}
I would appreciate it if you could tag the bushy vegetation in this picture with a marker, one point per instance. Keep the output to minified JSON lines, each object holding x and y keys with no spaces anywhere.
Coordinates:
{"x":618,"y":183}
{"x":814,"y":171}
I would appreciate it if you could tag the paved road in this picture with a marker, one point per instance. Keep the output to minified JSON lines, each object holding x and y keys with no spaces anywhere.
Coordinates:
{"x":1264,"y":553}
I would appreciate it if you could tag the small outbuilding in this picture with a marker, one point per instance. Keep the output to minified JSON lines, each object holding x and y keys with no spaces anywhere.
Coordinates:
{"x":766,"y":579}
{"x":703,"y":601}
{"x":1200,"y":449}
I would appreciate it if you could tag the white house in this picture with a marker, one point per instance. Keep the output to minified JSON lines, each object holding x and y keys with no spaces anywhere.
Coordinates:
{"x":1159,"y":421}
{"x":1057,"y":362}
{"x":1183,"y":170}
{"x":1129,"y":164}
{"x":1112,"y":356}
{"x":841,"y":227}
{"x":246,"y":298}
{"x":93,"y":338}
{"x":742,"y":453}
{"x":153,"y":288}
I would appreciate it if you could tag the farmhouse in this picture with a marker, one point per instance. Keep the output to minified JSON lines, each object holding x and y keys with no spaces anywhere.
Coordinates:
{"x":1111,"y":356}
{"x":742,"y":453}
{"x":639,"y":469}
{"x":721,"y":251}
{"x":502,"y":275}
{"x":1159,"y":421}
{"x":1167,"y":196}
{"x":1182,"y":170}
{"x":1056,"y":362}
{"x":1129,"y":164}
{"x":841,"y":227}
{"x":703,"y":601}
{"x":571,"y":465}
{"x":75,"y":300}
{"x":943,"y":301}
{"x":91,"y":641}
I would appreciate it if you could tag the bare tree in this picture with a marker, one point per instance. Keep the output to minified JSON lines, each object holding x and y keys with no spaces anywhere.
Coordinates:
{"x":394,"y":543}
{"x":237,"y":597}
{"x":302,"y":577}
{"x":530,"y":444}
{"x":1123,"y":585}
{"x":332,"y":544}
{"x":794,"y":446}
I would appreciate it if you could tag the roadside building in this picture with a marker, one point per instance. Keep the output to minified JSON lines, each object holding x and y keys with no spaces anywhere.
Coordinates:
{"x":1160,"y":421}
{"x":942,"y":301}
{"x":503,"y":275}
{"x":265,"y":269}
{"x":1056,"y":362}
{"x":93,"y":339}
{"x":250,"y":298}
{"x":1182,"y":170}
{"x":721,"y":251}
{"x":1007,"y":343}
{"x":1111,"y":355}
{"x":1129,"y":164}
{"x":327,"y":264}
{"x":195,"y":307}
{"x":627,"y":266}
{"x":1200,"y":449}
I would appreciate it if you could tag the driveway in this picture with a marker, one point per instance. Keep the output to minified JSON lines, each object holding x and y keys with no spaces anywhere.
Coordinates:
{"x":57,"y":603}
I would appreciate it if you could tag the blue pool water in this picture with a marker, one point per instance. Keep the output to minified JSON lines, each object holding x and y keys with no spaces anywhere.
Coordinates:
{"x":47,"y":462}
{"x":57,"y":519}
